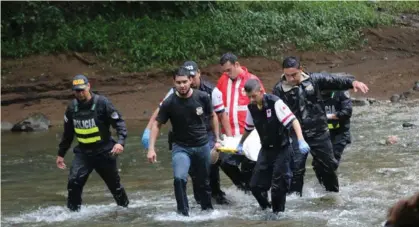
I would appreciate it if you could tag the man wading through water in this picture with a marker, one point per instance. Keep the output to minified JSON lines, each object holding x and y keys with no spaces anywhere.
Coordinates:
{"x":301,"y":91}
{"x":272,"y":120}
{"x":88,"y":118}
{"x":188,"y":110}
{"x":338,"y":111}
{"x":218,"y":106}
{"x":231,"y":84}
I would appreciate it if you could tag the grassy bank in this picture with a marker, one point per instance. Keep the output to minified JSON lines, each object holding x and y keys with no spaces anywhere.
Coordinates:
{"x":247,"y":29}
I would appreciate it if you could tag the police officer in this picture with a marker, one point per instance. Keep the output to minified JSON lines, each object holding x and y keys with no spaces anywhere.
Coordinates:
{"x":338,"y":106}
{"x":88,"y":118}
{"x":301,"y":92}
{"x":272,"y":119}
{"x":218,"y":106}
{"x":188,"y":110}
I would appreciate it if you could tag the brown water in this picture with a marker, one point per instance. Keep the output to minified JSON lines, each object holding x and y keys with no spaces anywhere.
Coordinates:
{"x":372,"y":177}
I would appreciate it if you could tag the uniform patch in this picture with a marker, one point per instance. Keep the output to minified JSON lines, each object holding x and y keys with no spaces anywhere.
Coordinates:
{"x":199,"y":110}
{"x":309,"y":88}
{"x":347,"y":95}
{"x":115,"y":115}
{"x":189,"y":67}
{"x":78,"y":81}
{"x":268,"y":113}
{"x":65,"y":118}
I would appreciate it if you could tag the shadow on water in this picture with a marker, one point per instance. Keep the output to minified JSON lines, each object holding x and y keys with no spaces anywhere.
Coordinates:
{"x":372,"y":177}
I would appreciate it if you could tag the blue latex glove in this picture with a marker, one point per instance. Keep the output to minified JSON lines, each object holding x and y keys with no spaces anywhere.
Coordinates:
{"x":239,"y":149}
{"x":303,"y":146}
{"x":146,"y":138}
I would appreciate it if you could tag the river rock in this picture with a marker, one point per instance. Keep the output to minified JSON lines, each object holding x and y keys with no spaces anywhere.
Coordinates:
{"x":395,"y":98}
{"x":416,"y":86}
{"x":372,"y":101}
{"x":408,"y":125}
{"x":392,"y":140}
{"x":360,"y":102}
{"x":35,"y":122}
{"x":332,"y":198}
{"x":406,"y":94}
{"x":6,"y":126}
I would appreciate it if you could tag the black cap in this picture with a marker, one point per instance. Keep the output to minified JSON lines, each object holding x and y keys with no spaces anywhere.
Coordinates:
{"x":191,"y":66}
{"x":80,"y":82}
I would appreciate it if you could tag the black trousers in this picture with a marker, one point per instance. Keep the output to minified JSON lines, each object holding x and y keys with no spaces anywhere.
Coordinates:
{"x":105,"y":165}
{"x":239,"y":176}
{"x":339,"y":141}
{"x":324,"y":163}
{"x":273,"y":171}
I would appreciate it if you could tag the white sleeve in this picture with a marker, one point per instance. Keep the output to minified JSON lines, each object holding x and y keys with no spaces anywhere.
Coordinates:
{"x":283,"y":112}
{"x":171,"y":91}
{"x":249,"y":126}
{"x":217,"y":100}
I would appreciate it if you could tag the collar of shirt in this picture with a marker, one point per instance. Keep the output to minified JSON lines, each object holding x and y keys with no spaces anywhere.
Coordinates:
{"x":287,"y":87}
{"x":243,"y":74}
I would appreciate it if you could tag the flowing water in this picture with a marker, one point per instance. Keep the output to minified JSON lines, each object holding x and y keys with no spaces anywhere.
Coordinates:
{"x":372,"y":177}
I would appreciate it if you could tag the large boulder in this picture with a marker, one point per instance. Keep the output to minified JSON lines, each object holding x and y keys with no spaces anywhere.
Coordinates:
{"x":35,"y":122}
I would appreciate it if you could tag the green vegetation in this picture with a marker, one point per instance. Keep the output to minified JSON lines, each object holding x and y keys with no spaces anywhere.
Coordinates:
{"x":399,"y":6}
{"x":139,"y":35}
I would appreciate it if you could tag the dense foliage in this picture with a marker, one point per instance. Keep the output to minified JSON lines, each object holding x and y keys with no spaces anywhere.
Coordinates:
{"x":137,"y":35}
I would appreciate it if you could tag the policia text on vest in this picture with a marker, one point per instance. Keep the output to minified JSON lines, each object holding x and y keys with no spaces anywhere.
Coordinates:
{"x":89,"y":122}
{"x":338,"y":107}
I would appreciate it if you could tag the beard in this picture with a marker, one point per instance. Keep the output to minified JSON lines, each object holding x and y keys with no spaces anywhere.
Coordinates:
{"x":183,"y":92}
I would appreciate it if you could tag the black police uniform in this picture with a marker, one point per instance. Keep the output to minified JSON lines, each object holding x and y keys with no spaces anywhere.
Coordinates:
{"x":90,"y":122}
{"x":272,"y":168}
{"x":306,"y":103}
{"x":340,"y":104}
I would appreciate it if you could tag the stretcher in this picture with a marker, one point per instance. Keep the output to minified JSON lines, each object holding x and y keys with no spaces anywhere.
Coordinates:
{"x":251,"y":146}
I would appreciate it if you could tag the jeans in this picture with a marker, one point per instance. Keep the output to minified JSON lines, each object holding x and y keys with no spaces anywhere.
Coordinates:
{"x":197,"y":158}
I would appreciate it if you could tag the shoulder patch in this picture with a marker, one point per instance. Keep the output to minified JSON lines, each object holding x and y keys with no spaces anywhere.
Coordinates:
{"x":346,"y":94}
{"x":115,"y":115}
{"x":199,"y":111}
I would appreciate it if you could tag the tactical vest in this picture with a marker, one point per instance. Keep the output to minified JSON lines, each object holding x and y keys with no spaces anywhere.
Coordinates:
{"x":330,"y":108}
{"x":207,"y":87}
{"x":271,"y":131}
{"x":333,"y":103}
{"x":86,"y":124}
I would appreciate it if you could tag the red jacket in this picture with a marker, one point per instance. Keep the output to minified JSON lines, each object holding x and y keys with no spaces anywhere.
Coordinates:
{"x":235,"y":99}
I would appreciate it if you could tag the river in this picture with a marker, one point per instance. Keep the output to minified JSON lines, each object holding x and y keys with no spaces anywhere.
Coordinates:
{"x":372,"y":177}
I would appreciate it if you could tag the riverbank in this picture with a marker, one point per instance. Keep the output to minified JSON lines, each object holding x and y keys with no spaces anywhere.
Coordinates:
{"x":388,"y":65}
